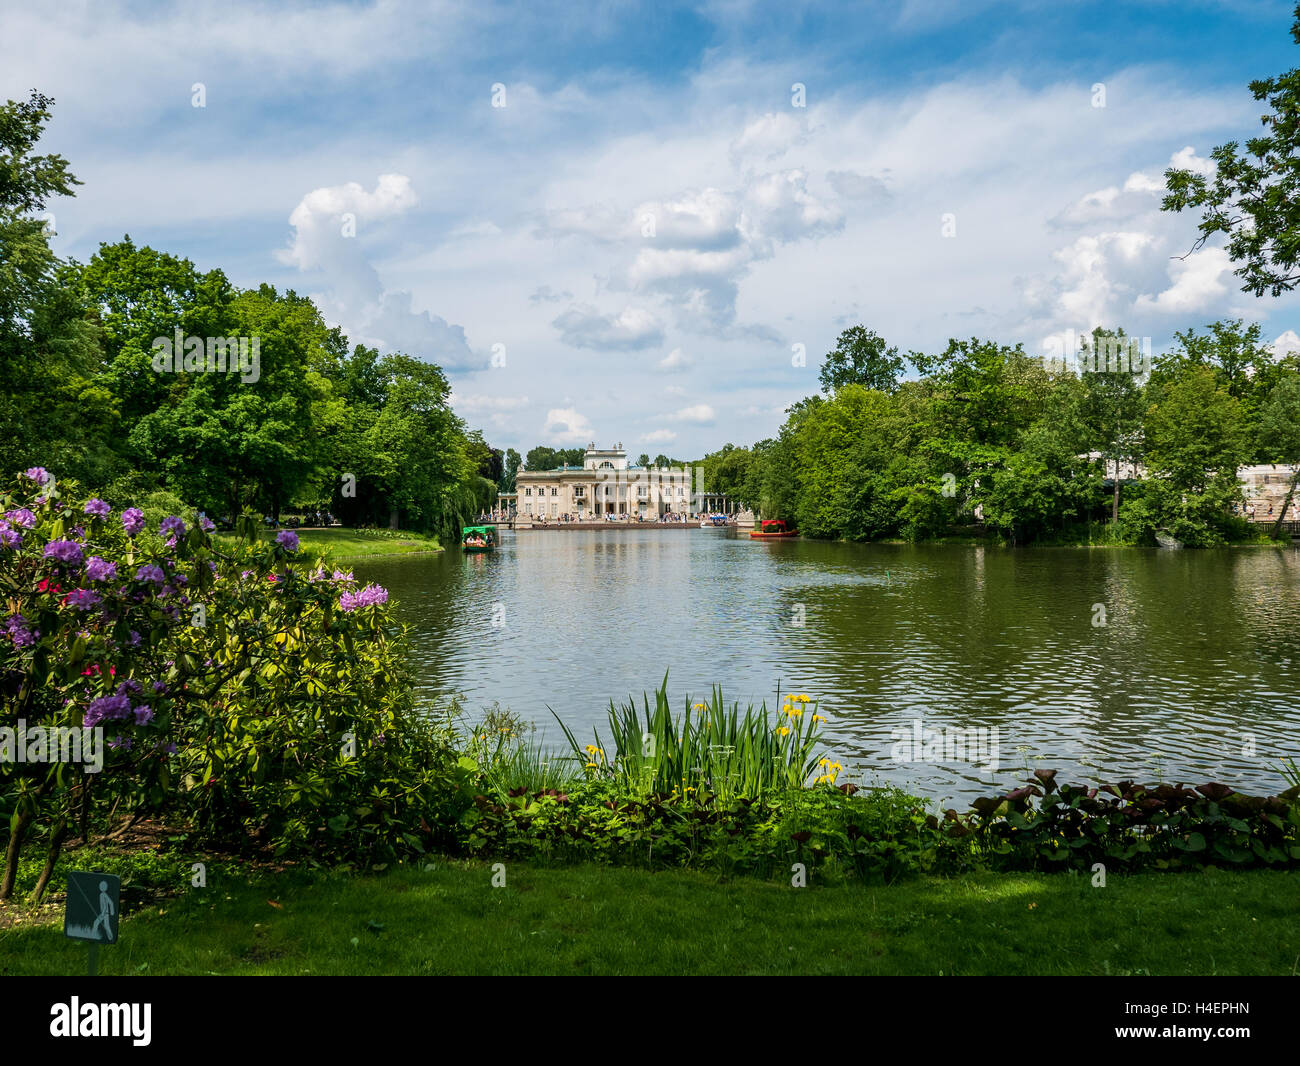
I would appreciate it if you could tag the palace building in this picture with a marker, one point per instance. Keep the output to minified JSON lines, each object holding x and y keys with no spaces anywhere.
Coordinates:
{"x":603,"y":485}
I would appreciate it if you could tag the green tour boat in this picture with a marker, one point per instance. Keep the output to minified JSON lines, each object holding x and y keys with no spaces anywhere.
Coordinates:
{"x":478,"y":538}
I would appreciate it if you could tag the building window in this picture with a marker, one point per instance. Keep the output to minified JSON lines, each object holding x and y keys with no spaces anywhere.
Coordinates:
{"x":528,"y":508}
{"x":555,"y":509}
{"x":528,"y":491}
{"x":554,"y":491}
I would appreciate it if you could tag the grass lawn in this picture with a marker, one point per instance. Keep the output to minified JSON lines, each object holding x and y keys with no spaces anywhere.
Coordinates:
{"x":345,"y":544}
{"x":600,"y":920}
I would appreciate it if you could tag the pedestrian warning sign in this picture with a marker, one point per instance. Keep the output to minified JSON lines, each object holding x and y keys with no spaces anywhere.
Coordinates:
{"x":92,"y":907}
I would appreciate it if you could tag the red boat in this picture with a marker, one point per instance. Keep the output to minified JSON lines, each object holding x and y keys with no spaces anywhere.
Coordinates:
{"x":773,"y":529}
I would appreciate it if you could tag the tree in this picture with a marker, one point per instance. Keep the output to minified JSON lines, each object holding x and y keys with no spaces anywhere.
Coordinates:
{"x":509,"y":470}
{"x":1279,"y":434}
{"x":1196,"y":439}
{"x":1253,"y":197}
{"x":643,"y":460}
{"x":541,"y":458}
{"x":861,"y":357}
{"x":1110,"y":408}
{"x":51,"y":408}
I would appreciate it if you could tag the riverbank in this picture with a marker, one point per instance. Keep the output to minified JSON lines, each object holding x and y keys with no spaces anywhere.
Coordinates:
{"x":445,"y":917}
{"x":345,"y":545}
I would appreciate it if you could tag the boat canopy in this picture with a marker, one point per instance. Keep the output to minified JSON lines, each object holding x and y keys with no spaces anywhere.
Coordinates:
{"x":776,"y":525}
{"x":485,"y":531}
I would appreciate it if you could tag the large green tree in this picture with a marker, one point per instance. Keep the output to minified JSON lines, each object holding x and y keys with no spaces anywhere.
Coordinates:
{"x":53,"y":412}
{"x":1253,"y":196}
{"x":861,"y":357}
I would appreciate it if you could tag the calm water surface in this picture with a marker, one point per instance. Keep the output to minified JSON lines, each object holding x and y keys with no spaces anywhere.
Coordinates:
{"x":1199,"y":653}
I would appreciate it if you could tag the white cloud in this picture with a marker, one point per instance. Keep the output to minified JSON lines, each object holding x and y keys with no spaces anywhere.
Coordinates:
{"x":567,"y":426}
{"x":631,"y":329}
{"x":1285,"y":344}
{"x":660,"y":436}
{"x":675,"y":360}
{"x":768,"y":137}
{"x":700,"y":413}
{"x":327,"y":226}
{"x":1197,"y":283}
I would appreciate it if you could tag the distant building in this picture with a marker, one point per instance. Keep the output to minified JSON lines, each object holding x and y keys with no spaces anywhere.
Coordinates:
{"x":603,"y":485}
{"x":1265,"y":485}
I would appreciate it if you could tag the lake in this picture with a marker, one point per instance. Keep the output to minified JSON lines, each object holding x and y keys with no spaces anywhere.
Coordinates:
{"x":1102,"y":663}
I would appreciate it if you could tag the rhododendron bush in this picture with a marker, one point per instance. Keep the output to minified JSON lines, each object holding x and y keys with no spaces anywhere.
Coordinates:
{"x":249,"y":694}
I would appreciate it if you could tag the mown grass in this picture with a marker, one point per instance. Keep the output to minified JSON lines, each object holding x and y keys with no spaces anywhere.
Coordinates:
{"x":342,"y":545}
{"x":447,"y":918}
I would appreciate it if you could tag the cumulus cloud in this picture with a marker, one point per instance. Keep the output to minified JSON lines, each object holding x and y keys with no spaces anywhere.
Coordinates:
{"x":326,"y":224}
{"x":768,"y":137}
{"x":660,"y":436}
{"x":632,"y":329}
{"x":1287,"y":343}
{"x":564,"y":425}
{"x":705,"y":242}
{"x":1197,"y":283}
{"x":675,"y":360}
{"x":700,"y":414}
{"x":1140,"y":193}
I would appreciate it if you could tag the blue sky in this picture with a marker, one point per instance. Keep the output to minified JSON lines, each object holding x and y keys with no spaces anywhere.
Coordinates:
{"x":650,"y":226}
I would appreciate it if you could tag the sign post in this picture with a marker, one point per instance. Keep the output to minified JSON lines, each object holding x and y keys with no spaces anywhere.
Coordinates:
{"x":92,"y":912}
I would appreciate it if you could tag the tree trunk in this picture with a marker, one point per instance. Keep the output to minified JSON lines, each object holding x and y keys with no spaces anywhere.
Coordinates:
{"x":1281,"y":516}
{"x":17,"y":830}
{"x":51,"y":858}
{"x":392,"y":518}
{"x":1114,"y":507}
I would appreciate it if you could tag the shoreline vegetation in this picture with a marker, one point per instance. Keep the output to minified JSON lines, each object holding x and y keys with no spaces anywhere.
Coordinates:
{"x":352,"y":544}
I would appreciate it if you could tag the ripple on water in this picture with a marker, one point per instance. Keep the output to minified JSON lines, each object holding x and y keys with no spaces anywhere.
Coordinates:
{"x":1194,"y":668}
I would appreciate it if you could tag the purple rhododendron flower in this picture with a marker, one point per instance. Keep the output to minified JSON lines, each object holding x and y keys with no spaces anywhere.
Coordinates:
{"x":10,"y":538}
{"x":20,"y":516}
{"x":206,"y":524}
{"x":172,"y":527}
{"x":143,"y":714}
{"x":120,"y":742}
{"x":84,"y":599}
{"x":37,"y":473}
{"x":97,"y":507}
{"x":135,"y":639}
{"x":342,"y":575}
{"x":65,"y":551}
{"x":369,"y":596}
{"x":106,"y":708}
{"x":132,"y":521}
{"x":149,"y":572}
{"x":158,"y":686}
{"x":287,"y":539}
{"x":130,"y":685}
{"x":17,"y":631}
{"x":98,"y":569}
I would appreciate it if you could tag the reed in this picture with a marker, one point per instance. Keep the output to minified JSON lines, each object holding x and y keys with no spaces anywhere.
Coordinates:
{"x":712,"y":749}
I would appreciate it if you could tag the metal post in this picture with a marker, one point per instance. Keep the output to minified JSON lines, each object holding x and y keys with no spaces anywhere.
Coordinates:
{"x":92,"y":959}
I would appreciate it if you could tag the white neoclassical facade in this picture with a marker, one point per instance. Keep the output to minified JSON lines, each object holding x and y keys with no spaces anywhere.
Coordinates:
{"x":604,"y":485}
